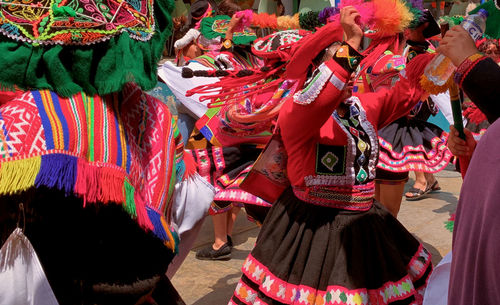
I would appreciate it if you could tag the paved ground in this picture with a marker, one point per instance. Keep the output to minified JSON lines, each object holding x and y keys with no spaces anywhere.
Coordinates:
{"x":213,"y":282}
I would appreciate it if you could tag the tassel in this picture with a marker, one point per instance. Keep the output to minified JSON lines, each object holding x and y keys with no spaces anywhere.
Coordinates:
{"x":142,"y":215}
{"x":162,"y":230}
{"x":129,"y":199}
{"x":156,"y":221}
{"x":18,"y":175}
{"x":190,"y":165}
{"x":87,"y":181}
{"x":432,"y":88}
{"x":58,"y":171}
{"x":111,"y":185}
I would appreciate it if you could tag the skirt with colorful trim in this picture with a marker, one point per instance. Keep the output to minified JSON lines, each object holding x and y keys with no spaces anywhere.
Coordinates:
{"x":314,"y":255}
{"x":413,"y":145}
{"x":225,"y":168}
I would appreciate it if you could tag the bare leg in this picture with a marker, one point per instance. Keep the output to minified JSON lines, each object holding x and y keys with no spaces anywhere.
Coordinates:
{"x":390,"y":195}
{"x":431,"y":180}
{"x":220,"y":230}
{"x":231,"y":218}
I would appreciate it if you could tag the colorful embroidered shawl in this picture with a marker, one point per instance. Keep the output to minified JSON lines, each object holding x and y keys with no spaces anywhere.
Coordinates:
{"x":82,"y":45}
{"x":76,"y":22}
{"x":123,"y":148}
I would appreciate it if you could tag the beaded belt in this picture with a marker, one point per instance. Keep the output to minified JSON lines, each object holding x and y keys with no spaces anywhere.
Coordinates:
{"x":355,"y":197}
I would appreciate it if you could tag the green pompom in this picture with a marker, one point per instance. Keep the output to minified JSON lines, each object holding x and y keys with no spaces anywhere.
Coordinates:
{"x":309,"y":21}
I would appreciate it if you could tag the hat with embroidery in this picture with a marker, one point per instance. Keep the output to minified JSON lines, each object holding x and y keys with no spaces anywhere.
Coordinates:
{"x":82,"y":45}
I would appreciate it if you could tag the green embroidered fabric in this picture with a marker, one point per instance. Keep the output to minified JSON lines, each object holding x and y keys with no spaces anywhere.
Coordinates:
{"x":101,"y":68}
{"x":212,"y":27}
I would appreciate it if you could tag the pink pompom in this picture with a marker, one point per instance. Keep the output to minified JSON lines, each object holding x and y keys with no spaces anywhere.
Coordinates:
{"x":246,"y":19}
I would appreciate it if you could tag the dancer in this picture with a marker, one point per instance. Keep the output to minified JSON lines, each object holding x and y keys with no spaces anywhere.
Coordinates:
{"x":88,"y":157}
{"x":326,"y":238}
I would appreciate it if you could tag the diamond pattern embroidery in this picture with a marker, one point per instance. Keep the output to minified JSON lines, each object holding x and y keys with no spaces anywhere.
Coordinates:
{"x":329,"y":160}
{"x":362,"y":145}
{"x":362,"y":175}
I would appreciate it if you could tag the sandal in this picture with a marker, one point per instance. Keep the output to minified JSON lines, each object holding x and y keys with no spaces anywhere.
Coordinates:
{"x":435,"y":187}
{"x":416,"y":194}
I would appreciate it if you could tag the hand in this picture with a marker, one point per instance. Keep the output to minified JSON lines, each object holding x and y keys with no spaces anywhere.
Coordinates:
{"x":234,"y":22}
{"x":457,"y":45}
{"x":349,"y":18}
{"x":460,"y":147}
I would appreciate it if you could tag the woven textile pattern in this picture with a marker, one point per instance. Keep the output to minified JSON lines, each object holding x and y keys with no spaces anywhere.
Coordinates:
{"x":123,"y":148}
{"x":80,"y":22}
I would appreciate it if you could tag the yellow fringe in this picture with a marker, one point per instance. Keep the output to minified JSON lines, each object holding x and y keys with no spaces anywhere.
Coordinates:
{"x":432,"y":88}
{"x":19,"y":175}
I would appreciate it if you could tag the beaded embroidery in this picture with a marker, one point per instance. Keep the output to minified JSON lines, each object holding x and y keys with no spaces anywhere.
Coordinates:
{"x":81,"y":22}
{"x":313,"y":86}
{"x":362,"y":145}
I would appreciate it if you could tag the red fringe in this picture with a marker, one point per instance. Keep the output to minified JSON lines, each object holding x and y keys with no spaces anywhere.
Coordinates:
{"x":142,"y":215}
{"x":190,"y":164}
{"x":111,"y":185}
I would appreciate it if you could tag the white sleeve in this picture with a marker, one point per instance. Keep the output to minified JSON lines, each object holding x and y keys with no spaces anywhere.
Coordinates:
{"x":191,"y":35}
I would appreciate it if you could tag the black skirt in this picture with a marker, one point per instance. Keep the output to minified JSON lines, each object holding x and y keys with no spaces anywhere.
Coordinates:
{"x":413,"y":145}
{"x":308,"y":254}
{"x":91,"y":253}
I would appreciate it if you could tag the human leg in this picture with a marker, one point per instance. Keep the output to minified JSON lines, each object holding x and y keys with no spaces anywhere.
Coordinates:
{"x":390,"y":195}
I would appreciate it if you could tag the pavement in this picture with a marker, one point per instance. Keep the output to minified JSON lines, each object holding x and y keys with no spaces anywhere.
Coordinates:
{"x":213,"y":282}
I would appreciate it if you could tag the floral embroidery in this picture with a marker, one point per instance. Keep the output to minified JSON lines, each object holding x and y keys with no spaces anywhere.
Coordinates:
{"x":82,"y":22}
{"x":277,"y":289}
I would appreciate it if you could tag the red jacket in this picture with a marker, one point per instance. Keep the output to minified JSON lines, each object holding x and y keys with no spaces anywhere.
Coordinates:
{"x":325,"y":165}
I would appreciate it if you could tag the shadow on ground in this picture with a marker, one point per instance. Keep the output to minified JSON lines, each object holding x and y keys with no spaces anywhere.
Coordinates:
{"x":222,"y":290}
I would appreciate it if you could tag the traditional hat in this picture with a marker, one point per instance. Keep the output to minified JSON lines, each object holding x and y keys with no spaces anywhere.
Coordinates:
{"x":72,"y":46}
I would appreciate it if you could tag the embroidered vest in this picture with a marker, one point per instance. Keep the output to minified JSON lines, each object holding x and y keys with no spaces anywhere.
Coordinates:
{"x":345,"y":174}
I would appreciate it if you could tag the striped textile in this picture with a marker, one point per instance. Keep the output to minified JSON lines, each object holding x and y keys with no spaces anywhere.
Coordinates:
{"x":123,"y":147}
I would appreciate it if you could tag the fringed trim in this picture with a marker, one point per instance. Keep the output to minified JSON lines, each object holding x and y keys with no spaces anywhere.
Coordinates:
{"x":162,"y":230}
{"x":94,"y":182}
{"x":19,"y":175}
{"x":432,"y":88}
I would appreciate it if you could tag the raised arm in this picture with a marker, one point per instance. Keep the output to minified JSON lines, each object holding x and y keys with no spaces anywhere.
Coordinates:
{"x":478,"y":75}
{"x":309,"y":109}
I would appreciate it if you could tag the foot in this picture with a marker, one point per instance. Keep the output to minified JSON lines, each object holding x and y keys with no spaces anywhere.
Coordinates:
{"x":417,"y":191}
{"x":209,"y":253}
{"x":434,"y":186}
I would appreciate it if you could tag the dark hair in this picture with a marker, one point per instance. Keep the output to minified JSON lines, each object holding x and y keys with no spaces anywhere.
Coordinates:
{"x":227,"y":7}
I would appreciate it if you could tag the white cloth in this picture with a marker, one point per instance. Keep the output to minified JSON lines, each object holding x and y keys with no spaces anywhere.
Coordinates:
{"x":172,"y":76}
{"x":436,"y":292}
{"x":190,"y":36}
{"x":22,"y":280}
{"x":192,"y":199}
{"x":442,"y":100}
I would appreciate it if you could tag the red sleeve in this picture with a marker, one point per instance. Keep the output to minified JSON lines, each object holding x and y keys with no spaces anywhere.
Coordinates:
{"x":305,"y":112}
{"x":387,"y":105}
